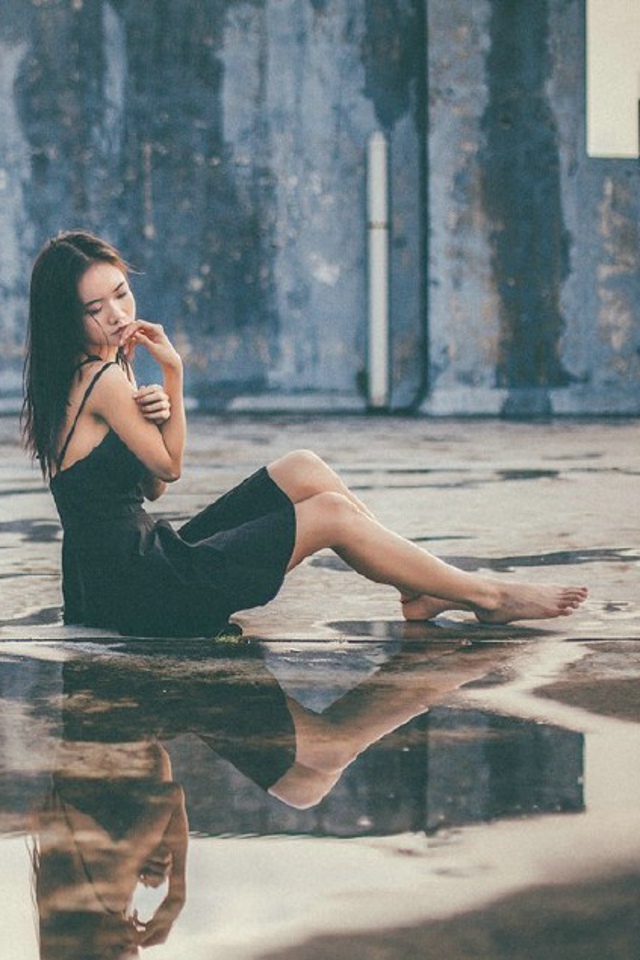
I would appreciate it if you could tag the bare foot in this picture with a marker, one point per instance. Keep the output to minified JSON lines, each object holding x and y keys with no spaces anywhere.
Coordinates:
{"x":516,"y":601}
{"x":424,"y":607}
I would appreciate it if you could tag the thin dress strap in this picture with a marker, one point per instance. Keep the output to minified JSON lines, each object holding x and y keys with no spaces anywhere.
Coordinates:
{"x":86,"y":396}
{"x":90,"y":358}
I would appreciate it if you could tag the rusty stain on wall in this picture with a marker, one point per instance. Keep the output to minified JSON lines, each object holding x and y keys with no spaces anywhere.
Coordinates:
{"x":521,"y":188}
{"x":617,"y":320}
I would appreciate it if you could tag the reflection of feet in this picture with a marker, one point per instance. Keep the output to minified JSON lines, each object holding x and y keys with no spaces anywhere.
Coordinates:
{"x":424,"y":607}
{"x":526,"y":602}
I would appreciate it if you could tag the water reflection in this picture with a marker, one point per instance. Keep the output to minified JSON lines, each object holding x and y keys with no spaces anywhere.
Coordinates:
{"x":107,"y":756}
{"x":112,"y":822}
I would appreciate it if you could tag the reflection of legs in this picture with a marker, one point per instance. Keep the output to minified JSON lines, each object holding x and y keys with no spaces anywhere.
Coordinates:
{"x":333,"y":520}
{"x":326,"y":744}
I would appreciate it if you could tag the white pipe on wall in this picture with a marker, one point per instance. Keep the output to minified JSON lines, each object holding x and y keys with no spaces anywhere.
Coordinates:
{"x":378,"y":271}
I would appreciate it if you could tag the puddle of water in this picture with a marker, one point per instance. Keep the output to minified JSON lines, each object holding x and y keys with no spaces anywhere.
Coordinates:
{"x":133,"y":771}
{"x":43,"y":617}
{"x":442,"y":630}
{"x":556,"y":558}
{"x":20,"y":491}
{"x":552,"y":559}
{"x":32,"y":531}
{"x":528,"y":474}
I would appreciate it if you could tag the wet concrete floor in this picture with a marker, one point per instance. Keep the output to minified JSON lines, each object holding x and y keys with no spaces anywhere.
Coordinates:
{"x":462,"y":791}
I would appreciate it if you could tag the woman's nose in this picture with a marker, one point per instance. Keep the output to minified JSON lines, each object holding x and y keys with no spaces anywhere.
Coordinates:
{"x":119,"y":316}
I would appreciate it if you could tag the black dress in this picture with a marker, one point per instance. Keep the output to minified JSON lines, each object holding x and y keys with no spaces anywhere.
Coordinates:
{"x":124,"y":570}
{"x":234,"y":706}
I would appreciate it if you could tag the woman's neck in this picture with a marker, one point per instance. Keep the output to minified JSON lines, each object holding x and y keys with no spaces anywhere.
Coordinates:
{"x":93,"y":352}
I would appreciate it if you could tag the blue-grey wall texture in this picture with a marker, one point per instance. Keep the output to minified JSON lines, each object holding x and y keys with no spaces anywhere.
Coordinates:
{"x":222,"y":145}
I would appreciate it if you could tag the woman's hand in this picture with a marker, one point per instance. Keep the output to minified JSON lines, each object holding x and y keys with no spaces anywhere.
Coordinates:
{"x":154,"y":403}
{"x":151,"y":336}
{"x":157,"y":929}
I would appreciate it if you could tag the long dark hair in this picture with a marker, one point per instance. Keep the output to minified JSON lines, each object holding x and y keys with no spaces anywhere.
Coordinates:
{"x":56,"y":336}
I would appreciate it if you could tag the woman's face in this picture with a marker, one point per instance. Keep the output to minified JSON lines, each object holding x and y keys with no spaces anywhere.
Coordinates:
{"x":107,"y":302}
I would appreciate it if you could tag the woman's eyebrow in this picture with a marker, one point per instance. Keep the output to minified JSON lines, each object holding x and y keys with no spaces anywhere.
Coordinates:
{"x":89,"y":303}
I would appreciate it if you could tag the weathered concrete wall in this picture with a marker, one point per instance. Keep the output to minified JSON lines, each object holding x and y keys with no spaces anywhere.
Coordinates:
{"x":221,"y":144}
{"x":534,"y":253}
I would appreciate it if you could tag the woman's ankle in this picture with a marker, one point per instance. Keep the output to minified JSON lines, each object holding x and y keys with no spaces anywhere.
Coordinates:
{"x":484,"y":593}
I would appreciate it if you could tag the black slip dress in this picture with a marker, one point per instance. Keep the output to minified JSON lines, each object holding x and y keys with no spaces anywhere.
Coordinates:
{"x":123,"y":570}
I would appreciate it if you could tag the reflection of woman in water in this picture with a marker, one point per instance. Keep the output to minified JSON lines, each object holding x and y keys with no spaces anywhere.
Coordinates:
{"x":105,"y":444}
{"x":113,"y":820}
{"x":240,"y":711}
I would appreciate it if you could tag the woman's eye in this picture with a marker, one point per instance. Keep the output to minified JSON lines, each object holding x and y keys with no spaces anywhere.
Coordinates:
{"x":94,"y":311}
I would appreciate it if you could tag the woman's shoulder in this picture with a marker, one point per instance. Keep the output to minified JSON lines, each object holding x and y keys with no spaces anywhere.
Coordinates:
{"x":89,"y":369}
{"x":104,"y":379}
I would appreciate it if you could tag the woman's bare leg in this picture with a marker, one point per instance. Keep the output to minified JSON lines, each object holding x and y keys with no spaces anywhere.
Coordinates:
{"x":332,"y":520}
{"x":302,"y":474}
{"x":424,"y":607}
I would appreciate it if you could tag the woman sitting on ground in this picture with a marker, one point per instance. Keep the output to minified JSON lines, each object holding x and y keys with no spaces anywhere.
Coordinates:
{"x":104,"y":445}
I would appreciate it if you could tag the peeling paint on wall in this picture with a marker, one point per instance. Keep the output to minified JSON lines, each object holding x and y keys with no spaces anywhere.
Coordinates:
{"x":617,"y":321}
{"x":14,"y":225}
{"x":463,"y":302}
{"x":221,"y":145}
{"x":392,"y":52}
{"x":521,"y":190}
{"x":534,"y":252}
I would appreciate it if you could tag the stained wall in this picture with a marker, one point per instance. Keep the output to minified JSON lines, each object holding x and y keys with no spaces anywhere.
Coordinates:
{"x":222,"y":146}
{"x":534,"y":285}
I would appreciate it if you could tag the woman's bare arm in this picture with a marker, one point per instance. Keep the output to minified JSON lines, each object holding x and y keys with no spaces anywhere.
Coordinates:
{"x":159,"y":447}
{"x":153,"y":487}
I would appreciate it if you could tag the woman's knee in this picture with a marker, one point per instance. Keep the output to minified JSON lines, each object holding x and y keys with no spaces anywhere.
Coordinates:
{"x":301,"y":473}
{"x":323,"y":520}
{"x":333,"y":511}
{"x":304,"y":461}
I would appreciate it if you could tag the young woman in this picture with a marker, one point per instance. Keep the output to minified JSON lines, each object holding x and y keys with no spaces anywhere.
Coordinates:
{"x":105,"y":445}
